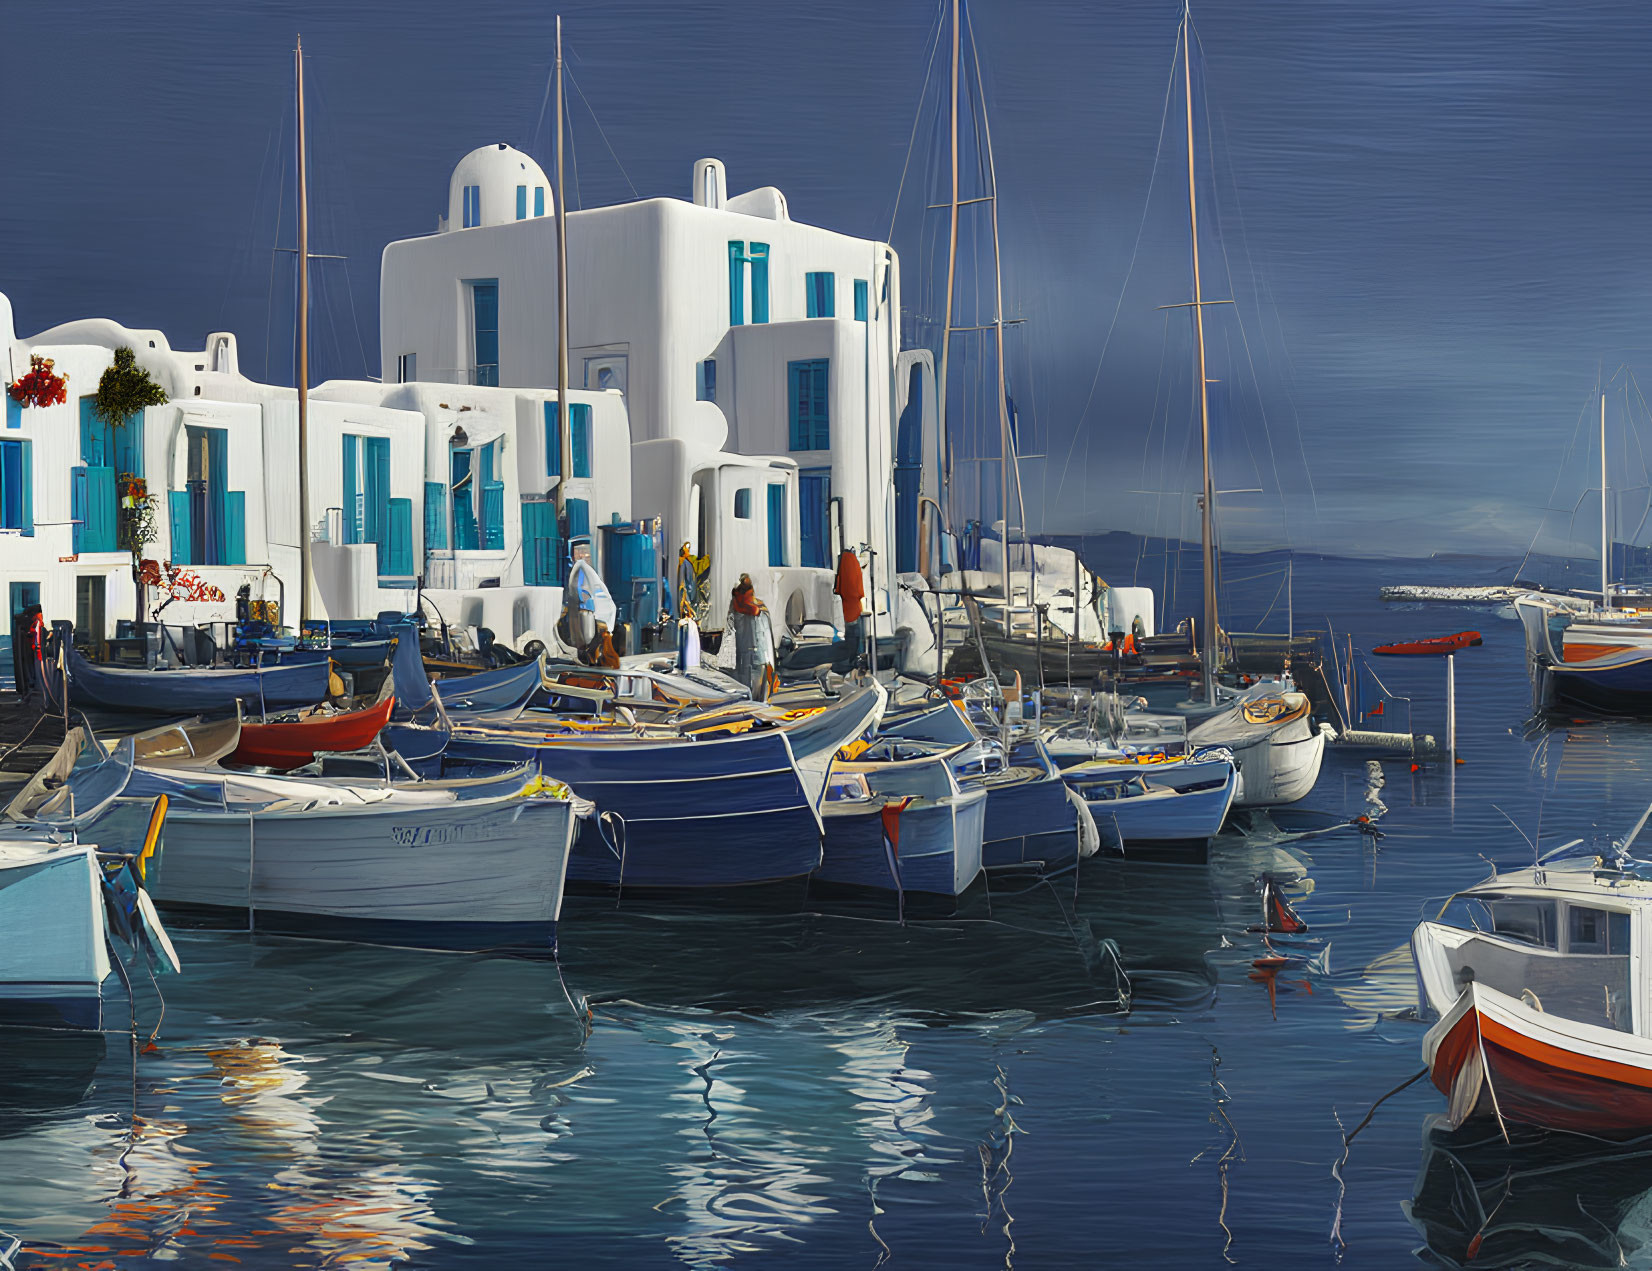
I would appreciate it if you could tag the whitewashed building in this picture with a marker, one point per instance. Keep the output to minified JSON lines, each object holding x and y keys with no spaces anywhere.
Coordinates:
{"x":758,"y":356}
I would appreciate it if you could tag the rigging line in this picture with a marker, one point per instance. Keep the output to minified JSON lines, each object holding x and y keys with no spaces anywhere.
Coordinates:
{"x":1238,"y":313}
{"x":1554,"y":490}
{"x":275,"y":252}
{"x":932,"y":44}
{"x":569,"y":76}
{"x":1256,"y":288}
{"x":252,"y":228}
{"x":318,"y":90}
{"x":1135,"y":252}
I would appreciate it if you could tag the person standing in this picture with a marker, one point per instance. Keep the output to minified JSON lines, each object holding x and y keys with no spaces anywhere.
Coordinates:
{"x":753,"y":650}
{"x":850,"y":588}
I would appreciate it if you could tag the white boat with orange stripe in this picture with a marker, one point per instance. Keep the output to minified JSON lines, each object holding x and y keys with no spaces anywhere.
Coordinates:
{"x":1542,"y":982}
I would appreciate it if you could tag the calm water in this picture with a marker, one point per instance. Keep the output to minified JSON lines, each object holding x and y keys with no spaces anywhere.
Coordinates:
{"x":815,"y":1090}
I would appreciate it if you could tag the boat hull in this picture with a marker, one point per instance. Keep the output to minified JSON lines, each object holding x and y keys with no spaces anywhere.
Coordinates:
{"x":940,"y":846}
{"x":1030,"y":820}
{"x":465,"y":875}
{"x":188,"y":691}
{"x":1496,"y":1057}
{"x":1165,"y":824}
{"x":55,"y":977}
{"x":287,"y":746}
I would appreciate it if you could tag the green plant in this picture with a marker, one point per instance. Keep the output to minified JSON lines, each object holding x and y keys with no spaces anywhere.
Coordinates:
{"x":125,"y":389}
{"x":135,"y":528}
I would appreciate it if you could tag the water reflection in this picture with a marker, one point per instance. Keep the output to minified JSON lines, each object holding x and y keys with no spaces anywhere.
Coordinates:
{"x":1541,"y":1200}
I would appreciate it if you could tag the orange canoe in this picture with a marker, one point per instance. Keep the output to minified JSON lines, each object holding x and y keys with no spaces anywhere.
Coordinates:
{"x":285,"y":746}
{"x":1435,"y":645}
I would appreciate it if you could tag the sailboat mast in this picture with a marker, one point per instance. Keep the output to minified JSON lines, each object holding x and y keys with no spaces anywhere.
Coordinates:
{"x":1207,"y":541}
{"x":305,"y":560}
{"x":951,"y":269}
{"x":565,"y":434}
{"x":1605,"y":539}
{"x":1006,"y":447}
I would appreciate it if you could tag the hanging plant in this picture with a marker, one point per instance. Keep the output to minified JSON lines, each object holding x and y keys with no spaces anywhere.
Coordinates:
{"x":125,"y":389}
{"x":42,"y":386}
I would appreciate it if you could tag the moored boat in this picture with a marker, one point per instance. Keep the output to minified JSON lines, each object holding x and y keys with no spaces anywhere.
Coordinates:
{"x":1145,"y":819}
{"x":288,"y":744}
{"x":1274,"y":741}
{"x":1540,"y":996}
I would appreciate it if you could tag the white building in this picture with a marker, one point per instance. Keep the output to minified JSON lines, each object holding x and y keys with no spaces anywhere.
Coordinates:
{"x":728,"y":326}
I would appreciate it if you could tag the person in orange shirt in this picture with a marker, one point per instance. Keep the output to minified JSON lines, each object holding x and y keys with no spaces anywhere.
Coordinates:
{"x":850,"y":588}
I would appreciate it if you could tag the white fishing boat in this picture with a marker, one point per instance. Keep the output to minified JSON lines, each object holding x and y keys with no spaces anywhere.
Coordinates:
{"x":1540,"y":982}
{"x":476,"y":864}
{"x":1275,"y":742}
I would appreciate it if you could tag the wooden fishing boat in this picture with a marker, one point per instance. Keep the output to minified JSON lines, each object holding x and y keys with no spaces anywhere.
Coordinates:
{"x":433,"y":865}
{"x":1540,"y":986}
{"x":1148,"y":820}
{"x":1274,"y":741}
{"x":287,"y":744}
{"x":902,"y":825}
{"x":191,"y":690}
{"x":1435,"y":646}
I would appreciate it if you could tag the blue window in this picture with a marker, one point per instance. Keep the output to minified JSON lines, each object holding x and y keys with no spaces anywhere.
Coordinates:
{"x":861,"y":305}
{"x":810,"y":426}
{"x":367,"y":495}
{"x":235,"y":527}
{"x":742,"y":504}
{"x":579,"y":443}
{"x":435,"y":516}
{"x":17,"y":486}
{"x":759,"y":257}
{"x":736,"y":284}
{"x":484,"y":302}
{"x":521,"y":202}
{"x":539,"y":200}
{"x":705,"y":380}
{"x":777,"y":526}
{"x":14,"y":412}
{"x":819,"y":295}
{"x":473,"y":206}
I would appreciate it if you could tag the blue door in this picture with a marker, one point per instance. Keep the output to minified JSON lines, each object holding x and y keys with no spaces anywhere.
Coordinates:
{"x":814,"y":494}
{"x":541,"y":556}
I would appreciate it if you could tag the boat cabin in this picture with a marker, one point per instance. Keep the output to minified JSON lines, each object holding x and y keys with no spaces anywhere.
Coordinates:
{"x":1565,"y":939}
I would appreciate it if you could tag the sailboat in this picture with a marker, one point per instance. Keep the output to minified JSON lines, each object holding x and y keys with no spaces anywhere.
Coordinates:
{"x":1597,"y":656}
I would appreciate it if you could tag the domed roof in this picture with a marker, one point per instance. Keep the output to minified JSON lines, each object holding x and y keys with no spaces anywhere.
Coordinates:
{"x":496,"y":184}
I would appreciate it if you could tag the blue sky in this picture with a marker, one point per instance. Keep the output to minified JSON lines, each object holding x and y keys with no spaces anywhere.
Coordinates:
{"x":1433,"y":215}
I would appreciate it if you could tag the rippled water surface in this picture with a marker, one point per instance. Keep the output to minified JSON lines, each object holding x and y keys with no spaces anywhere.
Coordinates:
{"x":830,"y":1089}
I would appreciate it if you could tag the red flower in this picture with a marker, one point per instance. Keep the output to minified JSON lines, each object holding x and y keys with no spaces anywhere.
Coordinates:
{"x":41,"y":386}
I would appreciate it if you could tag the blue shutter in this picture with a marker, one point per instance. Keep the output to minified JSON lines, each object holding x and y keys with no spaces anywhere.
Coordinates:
{"x":540,"y":555}
{"x":794,"y":403}
{"x":94,"y":437}
{"x":777,"y":526}
{"x":11,"y":485}
{"x":821,"y":429}
{"x":521,"y":202}
{"x":398,"y":560}
{"x":352,"y":499}
{"x":539,"y":200}
{"x":28,"y":488}
{"x":493,"y":500}
{"x":77,"y":508}
{"x":129,"y":445}
{"x":580,"y":413}
{"x":235,"y":527}
{"x":464,"y":507}
{"x":705,"y":380}
{"x":177,"y":504}
{"x":99,"y":530}
{"x":553,"y":441}
{"x":375,"y":528}
{"x":14,"y":412}
{"x":759,"y":282}
{"x":736,"y":285}
{"x":217,"y":491}
{"x":579,"y":519}
{"x":862,"y":308}
{"x":435,"y":516}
